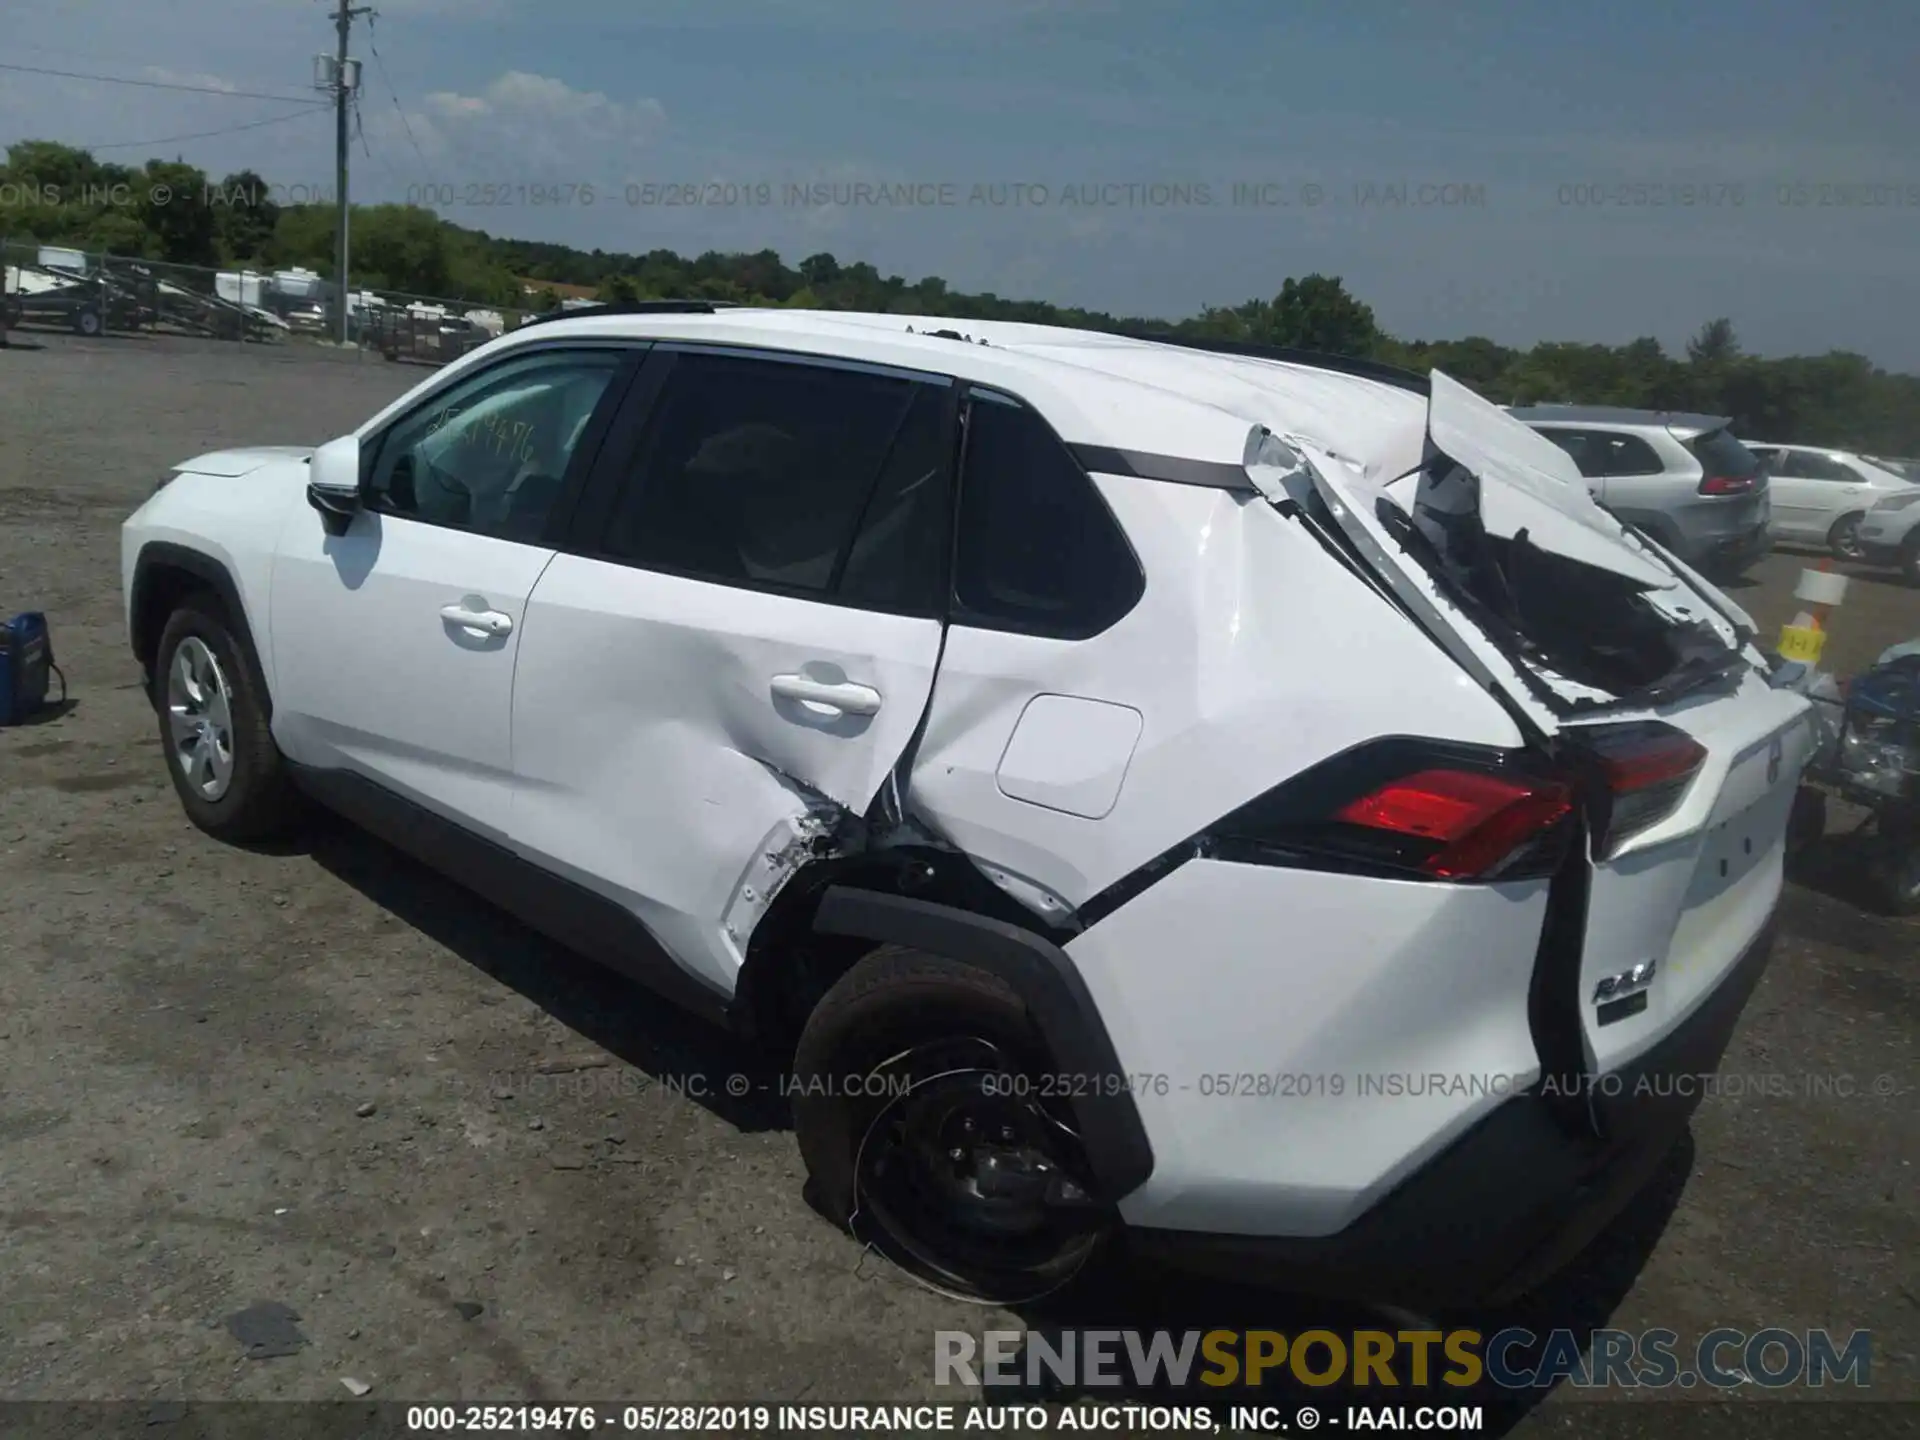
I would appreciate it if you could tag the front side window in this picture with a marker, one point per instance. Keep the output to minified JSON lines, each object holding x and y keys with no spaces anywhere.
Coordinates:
{"x":760,"y":471}
{"x":491,"y":455}
{"x":1037,"y":549}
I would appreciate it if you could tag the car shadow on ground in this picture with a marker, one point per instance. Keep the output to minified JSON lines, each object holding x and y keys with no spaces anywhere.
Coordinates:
{"x":673,"y":1048}
{"x":1127,"y":1295}
{"x":1121,"y":1292}
{"x":1840,"y":866}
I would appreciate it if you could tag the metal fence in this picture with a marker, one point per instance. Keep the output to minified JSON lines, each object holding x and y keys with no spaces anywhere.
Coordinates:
{"x":57,"y":287}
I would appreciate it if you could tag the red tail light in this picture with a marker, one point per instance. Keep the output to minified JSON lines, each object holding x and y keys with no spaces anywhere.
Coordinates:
{"x":1727,"y":485}
{"x":1476,"y":824}
{"x":1649,"y":768}
{"x":1405,"y":808}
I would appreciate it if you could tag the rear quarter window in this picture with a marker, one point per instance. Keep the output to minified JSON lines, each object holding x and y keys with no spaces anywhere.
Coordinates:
{"x":1720,"y":454}
{"x":1037,"y":550}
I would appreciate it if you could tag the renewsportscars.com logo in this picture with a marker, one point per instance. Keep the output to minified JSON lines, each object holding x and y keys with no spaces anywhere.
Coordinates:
{"x":1513,"y":1359}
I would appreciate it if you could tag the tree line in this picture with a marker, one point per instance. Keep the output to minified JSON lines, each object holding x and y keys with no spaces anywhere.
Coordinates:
{"x":172,"y":212}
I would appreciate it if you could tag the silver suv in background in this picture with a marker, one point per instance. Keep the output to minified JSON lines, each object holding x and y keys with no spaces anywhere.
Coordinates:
{"x":1683,"y":479}
{"x":1820,"y":496}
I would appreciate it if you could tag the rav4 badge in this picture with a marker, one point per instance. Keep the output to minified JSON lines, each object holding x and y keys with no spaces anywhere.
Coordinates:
{"x":1627,"y":982}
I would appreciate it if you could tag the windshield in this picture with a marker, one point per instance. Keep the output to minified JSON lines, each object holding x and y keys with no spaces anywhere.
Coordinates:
{"x":1721,"y":455}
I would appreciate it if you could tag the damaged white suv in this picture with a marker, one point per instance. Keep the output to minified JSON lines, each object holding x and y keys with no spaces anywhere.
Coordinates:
{"x":1257,"y":805}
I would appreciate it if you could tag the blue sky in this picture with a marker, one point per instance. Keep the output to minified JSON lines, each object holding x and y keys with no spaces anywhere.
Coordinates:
{"x":1541,"y":132}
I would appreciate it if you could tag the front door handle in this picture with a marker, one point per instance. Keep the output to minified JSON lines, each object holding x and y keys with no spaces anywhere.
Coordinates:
{"x":848,"y":699}
{"x":488,"y":622}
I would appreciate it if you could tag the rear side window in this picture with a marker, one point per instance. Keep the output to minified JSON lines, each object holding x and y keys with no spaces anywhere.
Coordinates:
{"x":760,"y":472}
{"x":1809,"y":466}
{"x":1721,"y":455}
{"x":898,"y":560}
{"x":1037,"y":550}
{"x":1627,"y":455}
{"x":1578,"y":444}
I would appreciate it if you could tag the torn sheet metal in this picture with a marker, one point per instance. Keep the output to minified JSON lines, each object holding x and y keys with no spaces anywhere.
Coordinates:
{"x":787,"y":848}
{"x":1418,"y":593}
{"x":1526,"y":482}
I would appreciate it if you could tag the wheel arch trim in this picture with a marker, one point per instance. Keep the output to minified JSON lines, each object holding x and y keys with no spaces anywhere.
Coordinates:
{"x":143,"y":629}
{"x":1049,"y":983}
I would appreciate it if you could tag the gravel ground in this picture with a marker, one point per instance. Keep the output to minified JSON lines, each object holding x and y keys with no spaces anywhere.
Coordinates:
{"x":478,"y":1168}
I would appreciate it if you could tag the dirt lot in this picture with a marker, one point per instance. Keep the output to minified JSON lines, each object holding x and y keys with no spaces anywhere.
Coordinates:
{"x":472,"y":1164}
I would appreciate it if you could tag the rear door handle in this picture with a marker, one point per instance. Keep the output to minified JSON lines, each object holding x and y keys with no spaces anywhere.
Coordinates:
{"x":848,"y":699}
{"x":489,"y":622}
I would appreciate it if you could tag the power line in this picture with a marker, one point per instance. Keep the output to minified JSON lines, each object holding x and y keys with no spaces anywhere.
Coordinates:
{"x":360,"y":129}
{"x":206,"y":134}
{"x":152,"y":84}
{"x":381,"y":66}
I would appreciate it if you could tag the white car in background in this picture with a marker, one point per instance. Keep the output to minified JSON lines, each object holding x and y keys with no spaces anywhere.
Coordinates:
{"x":1820,"y":496}
{"x":1890,"y":533}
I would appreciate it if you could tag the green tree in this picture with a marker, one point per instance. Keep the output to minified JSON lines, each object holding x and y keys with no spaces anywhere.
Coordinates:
{"x":619,"y":290}
{"x":821,"y":269}
{"x":172,"y":205}
{"x":1317,"y":313}
{"x":48,"y":165}
{"x":1714,"y":343}
{"x":244,"y":216}
{"x":402,"y":247}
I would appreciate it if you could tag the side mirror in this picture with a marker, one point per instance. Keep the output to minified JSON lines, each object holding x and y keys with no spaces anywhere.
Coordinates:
{"x":333,"y":482}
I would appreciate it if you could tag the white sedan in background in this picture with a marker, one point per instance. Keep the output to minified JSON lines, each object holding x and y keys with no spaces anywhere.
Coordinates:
{"x":1820,"y":496}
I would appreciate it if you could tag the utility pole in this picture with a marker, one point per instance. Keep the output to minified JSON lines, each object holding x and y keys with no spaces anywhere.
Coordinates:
{"x":345,"y":74}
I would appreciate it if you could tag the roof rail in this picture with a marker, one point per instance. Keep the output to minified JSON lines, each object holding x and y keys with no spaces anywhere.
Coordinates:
{"x":1311,"y":359}
{"x":633,"y":307}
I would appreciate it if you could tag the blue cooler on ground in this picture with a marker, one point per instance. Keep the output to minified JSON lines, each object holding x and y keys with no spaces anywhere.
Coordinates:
{"x":26,"y":661}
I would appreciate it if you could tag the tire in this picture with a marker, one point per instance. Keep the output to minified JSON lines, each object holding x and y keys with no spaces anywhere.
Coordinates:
{"x":1844,"y":539}
{"x":908,"y":1061}
{"x":1910,"y":558}
{"x":204,"y":671}
{"x":1896,"y":866}
{"x":1807,"y":823}
{"x":87,"y":322}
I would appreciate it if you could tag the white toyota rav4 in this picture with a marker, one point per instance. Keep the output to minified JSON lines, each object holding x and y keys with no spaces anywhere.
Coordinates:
{"x":1254,"y":804}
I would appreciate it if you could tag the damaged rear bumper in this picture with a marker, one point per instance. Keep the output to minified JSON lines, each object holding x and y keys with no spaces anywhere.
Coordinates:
{"x":1510,"y":1203}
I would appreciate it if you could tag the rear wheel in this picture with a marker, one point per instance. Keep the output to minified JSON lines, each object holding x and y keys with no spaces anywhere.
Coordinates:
{"x":87,"y":322}
{"x":928,"y":1132}
{"x":1897,"y":864}
{"x":1844,"y":538}
{"x":1808,"y":821}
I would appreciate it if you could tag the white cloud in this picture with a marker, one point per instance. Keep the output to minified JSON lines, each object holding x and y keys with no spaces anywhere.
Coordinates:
{"x":520,"y":128}
{"x":199,"y":79}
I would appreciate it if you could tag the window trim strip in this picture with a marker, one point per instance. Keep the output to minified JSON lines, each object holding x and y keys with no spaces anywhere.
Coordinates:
{"x":1172,"y":469}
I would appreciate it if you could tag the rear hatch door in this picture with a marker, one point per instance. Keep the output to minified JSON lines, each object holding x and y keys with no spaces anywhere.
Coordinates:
{"x":1691,"y":867}
{"x":1731,"y":476}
